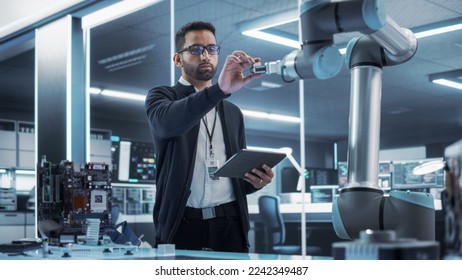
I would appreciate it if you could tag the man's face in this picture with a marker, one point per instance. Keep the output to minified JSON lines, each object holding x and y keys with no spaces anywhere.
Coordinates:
{"x":199,"y":67}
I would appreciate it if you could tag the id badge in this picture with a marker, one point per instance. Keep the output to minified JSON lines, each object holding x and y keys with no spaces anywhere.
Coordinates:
{"x":211,"y":167}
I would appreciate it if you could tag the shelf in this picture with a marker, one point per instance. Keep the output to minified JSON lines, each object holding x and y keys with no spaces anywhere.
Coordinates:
{"x":8,"y":199}
{"x":8,"y":136}
{"x":8,"y":125}
{"x":26,"y":127}
{"x":100,"y":134}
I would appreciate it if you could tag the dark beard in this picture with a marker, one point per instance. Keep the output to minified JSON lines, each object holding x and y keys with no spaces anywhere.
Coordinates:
{"x":197,"y":73}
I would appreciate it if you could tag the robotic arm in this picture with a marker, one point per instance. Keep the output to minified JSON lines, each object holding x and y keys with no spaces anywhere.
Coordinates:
{"x":321,"y":19}
{"x":361,"y":204}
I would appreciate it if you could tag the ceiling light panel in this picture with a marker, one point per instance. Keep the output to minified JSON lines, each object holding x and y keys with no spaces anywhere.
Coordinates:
{"x":115,"y":11}
{"x":450,"y":79}
{"x":126,"y":59}
{"x":126,"y":54}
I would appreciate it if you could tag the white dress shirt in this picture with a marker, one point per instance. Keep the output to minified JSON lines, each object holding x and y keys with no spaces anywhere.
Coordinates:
{"x":206,"y":192}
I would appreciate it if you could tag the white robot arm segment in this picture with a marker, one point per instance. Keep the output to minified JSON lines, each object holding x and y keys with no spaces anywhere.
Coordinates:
{"x":361,"y":204}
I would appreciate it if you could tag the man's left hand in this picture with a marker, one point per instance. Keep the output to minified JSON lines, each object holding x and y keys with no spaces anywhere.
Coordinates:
{"x":259,"y":179}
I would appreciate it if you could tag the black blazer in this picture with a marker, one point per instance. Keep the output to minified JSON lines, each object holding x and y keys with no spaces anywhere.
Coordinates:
{"x":174,"y":115}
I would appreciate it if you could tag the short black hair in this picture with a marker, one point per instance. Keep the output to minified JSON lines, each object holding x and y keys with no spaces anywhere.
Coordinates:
{"x":192,"y":26}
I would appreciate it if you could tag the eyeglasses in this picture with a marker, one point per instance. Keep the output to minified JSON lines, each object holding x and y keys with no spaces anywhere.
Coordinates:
{"x":199,"y":49}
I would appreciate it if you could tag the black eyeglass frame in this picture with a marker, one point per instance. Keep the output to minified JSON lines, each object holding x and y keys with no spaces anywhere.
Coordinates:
{"x":201,"y":49}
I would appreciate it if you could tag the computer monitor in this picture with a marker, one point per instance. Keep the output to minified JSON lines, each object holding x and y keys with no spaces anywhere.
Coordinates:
{"x":404,"y":179}
{"x":342,"y":174}
{"x":323,"y":193}
{"x":313,"y":176}
{"x":133,"y":162}
{"x":384,"y":175}
{"x":289,"y":179}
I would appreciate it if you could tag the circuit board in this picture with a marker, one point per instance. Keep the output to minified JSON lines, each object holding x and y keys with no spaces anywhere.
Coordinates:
{"x":67,"y":197}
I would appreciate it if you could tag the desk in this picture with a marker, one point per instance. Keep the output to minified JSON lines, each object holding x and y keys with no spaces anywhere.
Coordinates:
{"x":123,"y":252}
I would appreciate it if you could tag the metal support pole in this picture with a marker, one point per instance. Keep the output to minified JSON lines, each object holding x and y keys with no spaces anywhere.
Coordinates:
{"x":364,"y":133}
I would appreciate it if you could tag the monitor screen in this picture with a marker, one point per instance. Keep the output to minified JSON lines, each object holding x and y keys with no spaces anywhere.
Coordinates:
{"x":384,"y":174}
{"x":403,"y":178}
{"x":323,"y":194}
{"x":133,"y":162}
{"x":342,"y":174}
{"x":313,"y":176}
{"x":289,"y":179}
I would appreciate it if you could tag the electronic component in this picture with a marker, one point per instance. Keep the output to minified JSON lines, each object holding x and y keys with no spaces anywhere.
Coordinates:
{"x":272,"y":67}
{"x":67,"y":198}
{"x":258,"y":68}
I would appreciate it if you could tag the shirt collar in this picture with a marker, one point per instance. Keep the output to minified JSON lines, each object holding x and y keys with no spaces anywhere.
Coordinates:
{"x":184,"y":82}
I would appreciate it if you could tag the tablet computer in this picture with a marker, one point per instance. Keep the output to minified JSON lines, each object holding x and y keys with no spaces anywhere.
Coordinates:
{"x":245,"y":160}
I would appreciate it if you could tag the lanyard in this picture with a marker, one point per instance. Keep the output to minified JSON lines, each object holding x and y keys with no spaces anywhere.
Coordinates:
{"x":210,"y":135}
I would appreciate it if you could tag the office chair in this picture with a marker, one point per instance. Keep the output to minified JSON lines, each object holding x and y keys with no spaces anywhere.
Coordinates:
{"x":275,"y":231}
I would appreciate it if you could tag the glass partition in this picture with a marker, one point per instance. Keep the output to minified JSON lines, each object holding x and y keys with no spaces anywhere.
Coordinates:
{"x":126,"y":57}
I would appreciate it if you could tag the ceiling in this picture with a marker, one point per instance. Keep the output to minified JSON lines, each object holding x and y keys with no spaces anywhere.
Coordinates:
{"x":414,"y":111}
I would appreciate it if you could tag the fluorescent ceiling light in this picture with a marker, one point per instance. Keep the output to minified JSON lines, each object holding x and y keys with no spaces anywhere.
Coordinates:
{"x":286,"y":150}
{"x":258,"y":34}
{"x":257,"y":30}
{"x":123,"y":65}
{"x":283,"y":118}
{"x":270,"y":84}
{"x":437,"y":31}
{"x":124,"y":95}
{"x":2,"y":170}
{"x":118,"y":94}
{"x":270,"y":116}
{"x":115,"y":11}
{"x":126,"y":54}
{"x":25,"y":172}
{"x":94,"y":90}
{"x":272,"y":38}
{"x":255,"y":114}
{"x":265,"y":85}
{"x":448,"y":83}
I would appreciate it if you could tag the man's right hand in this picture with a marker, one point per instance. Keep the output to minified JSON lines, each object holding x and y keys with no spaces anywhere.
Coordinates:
{"x":232,"y":77}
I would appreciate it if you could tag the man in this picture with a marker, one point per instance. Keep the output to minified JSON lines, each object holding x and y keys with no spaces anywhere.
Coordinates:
{"x":195,"y":130}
